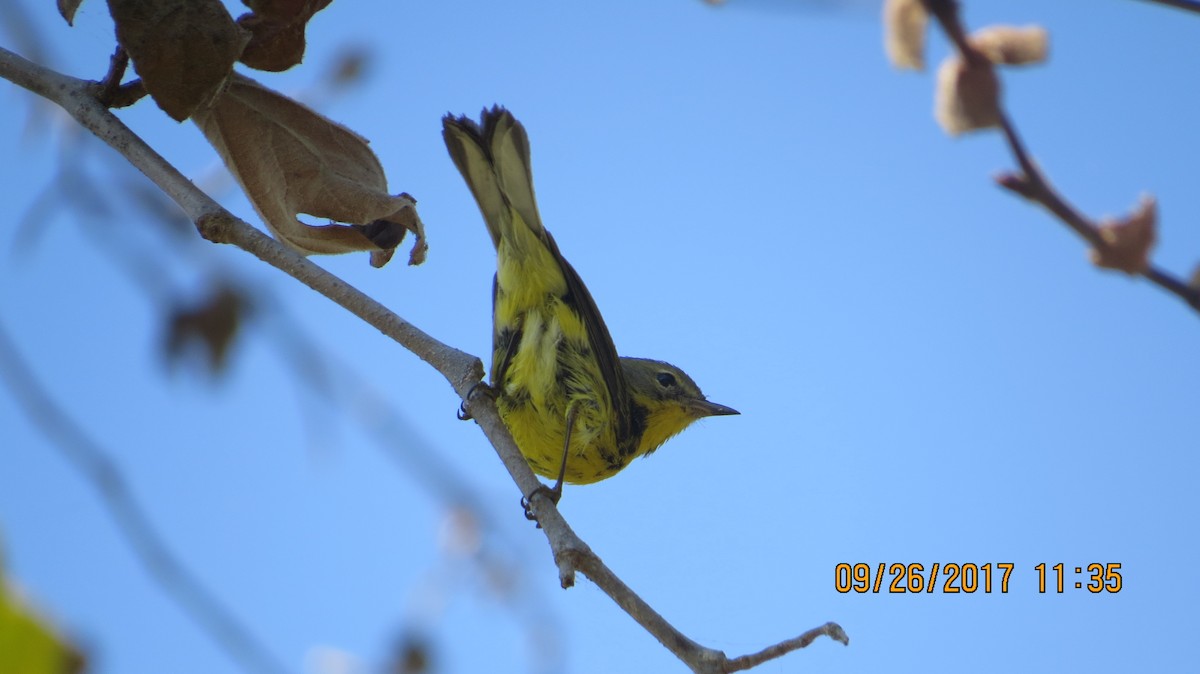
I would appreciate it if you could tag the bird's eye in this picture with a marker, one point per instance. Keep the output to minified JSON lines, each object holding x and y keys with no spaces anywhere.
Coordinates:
{"x":665,"y":379}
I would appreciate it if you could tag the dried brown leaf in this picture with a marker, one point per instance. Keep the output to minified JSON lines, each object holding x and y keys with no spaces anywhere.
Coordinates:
{"x":904,"y":24}
{"x":182,"y":49}
{"x":1129,"y":240}
{"x":278,"y":28}
{"x":1011,"y":46}
{"x":291,"y":160}
{"x":968,"y":96}
{"x":213,"y":325}
{"x":68,"y":8}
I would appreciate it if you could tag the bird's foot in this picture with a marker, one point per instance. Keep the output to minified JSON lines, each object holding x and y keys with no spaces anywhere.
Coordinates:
{"x":552,"y":493}
{"x":477,"y":387}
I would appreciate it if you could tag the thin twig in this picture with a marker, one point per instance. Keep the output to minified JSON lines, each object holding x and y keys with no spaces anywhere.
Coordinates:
{"x":93,"y":462}
{"x":946,"y":13}
{"x":1032,"y":184}
{"x":111,"y":93}
{"x":117,"y":64}
{"x":832,"y":630}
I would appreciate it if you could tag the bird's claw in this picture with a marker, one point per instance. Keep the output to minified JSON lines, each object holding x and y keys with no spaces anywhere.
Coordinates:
{"x":463,"y":414}
{"x":554,"y":494}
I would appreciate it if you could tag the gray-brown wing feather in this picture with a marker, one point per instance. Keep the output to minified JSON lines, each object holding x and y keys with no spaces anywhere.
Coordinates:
{"x":601,"y":344}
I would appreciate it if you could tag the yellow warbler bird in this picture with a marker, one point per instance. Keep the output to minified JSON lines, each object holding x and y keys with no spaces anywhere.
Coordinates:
{"x":577,"y":411}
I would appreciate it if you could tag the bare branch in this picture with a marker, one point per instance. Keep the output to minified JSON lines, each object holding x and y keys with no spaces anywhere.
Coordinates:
{"x":462,"y":370}
{"x":93,"y":462}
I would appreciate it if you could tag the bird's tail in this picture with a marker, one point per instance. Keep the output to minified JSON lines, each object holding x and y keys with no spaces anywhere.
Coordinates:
{"x":493,"y":157}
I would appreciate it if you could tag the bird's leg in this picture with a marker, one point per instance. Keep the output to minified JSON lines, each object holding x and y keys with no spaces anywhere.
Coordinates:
{"x":554,"y":493}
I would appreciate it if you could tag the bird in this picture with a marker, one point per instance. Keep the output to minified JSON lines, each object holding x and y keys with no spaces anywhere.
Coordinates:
{"x":578,"y":411}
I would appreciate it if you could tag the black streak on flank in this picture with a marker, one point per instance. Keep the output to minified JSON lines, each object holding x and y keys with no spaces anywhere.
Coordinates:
{"x":607,"y":456}
{"x":505,"y":338}
{"x":503,"y":351}
{"x":561,"y":357}
{"x":637,"y":424}
{"x":570,"y":351}
{"x":568,"y":298}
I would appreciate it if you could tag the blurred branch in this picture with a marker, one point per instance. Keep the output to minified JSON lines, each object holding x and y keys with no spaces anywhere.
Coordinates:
{"x":1030,"y":182}
{"x":461,"y":370}
{"x":20,"y":27}
{"x":95,"y":465}
{"x":335,"y":383}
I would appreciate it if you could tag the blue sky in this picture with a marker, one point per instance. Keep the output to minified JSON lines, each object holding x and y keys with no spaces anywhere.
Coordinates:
{"x":928,"y":369}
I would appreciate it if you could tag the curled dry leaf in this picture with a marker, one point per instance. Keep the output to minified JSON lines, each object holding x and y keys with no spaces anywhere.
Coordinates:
{"x":1012,"y":46}
{"x":968,"y":96}
{"x":904,"y":24}
{"x":291,"y":160}
{"x":278,"y":28}
{"x":182,"y":49}
{"x":1129,"y":240}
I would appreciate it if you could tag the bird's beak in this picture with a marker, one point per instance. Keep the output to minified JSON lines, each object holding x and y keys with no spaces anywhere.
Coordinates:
{"x":704,"y":408}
